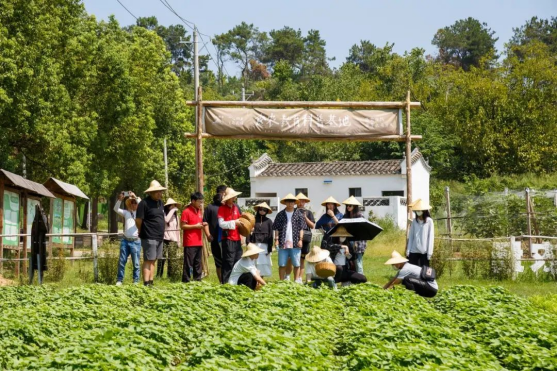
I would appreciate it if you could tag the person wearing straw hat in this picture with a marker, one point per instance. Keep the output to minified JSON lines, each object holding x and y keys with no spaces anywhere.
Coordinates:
{"x":171,"y":239}
{"x":228,"y":217}
{"x":310,"y":223}
{"x":263,"y":237}
{"x":150,"y":223}
{"x":193,"y":226}
{"x":331,"y":217}
{"x":340,"y":254}
{"x":315,"y":256}
{"x":245,"y":271}
{"x":130,"y":245}
{"x":410,"y":276}
{"x":357,"y":247}
{"x":213,"y":231}
{"x":289,"y":228}
{"x":419,"y":248}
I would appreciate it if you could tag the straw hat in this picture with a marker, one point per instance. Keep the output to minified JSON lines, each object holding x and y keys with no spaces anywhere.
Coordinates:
{"x":171,"y":201}
{"x":414,"y":202}
{"x":155,"y":186}
{"x":396,"y":258}
{"x":264,"y":206}
{"x":252,"y":249}
{"x":330,"y":199}
{"x":341,"y":232}
{"x":317,"y":254}
{"x":288,"y":197}
{"x":229,"y":194}
{"x":420,"y":205}
{"x":301,"y":196}
{"x":351,"y":201}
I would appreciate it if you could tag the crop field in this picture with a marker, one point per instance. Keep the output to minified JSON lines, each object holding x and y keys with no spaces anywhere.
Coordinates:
{"x":284,"y":326}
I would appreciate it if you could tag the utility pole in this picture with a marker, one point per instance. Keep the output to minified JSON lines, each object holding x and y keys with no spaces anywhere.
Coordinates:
{"x":198,"y":117}
{"x":195,"y":65}
{"x":165,"y":165}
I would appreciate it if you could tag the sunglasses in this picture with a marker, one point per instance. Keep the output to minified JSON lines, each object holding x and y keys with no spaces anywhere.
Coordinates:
{"x":133,"y":202}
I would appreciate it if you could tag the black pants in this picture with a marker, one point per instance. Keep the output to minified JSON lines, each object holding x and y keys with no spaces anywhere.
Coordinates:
{"x":192,"y":260}
{"x":419,"y":286}
{"x":216,"y":251}
{"x":248,"y":280}
{"x":345,"y":275}
{"x":418,"y":259}
{"x":231,"y":253}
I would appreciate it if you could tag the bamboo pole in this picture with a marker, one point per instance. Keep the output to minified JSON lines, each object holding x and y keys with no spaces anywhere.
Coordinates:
{"x":199,"y":141}
{"x":449,"y":222}
{"x":396,"y":138}
{"x":292,"y":104}
{"x":25,"y":219}
{"x":408,"y":164}
{"x":528,"y":220}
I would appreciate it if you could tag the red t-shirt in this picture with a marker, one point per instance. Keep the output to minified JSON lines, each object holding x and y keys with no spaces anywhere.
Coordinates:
{"x":229,"y":214}
{"x":192,"y":216}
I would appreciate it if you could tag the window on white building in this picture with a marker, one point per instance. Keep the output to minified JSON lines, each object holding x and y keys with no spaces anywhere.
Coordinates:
{"x":392,"y":193}
{"x":355,"y":191}
{"x":303,"y":191}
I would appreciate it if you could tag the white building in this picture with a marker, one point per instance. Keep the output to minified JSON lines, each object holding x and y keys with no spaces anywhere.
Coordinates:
{"x":380,"y":185}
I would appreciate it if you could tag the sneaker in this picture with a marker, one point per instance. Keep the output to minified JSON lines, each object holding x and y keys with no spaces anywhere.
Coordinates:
{"x":299,"y":281}
{"x":118,"y":283}
{"x":287,"y":277}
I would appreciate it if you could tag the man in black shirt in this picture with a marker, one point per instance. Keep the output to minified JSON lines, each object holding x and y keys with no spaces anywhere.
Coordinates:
{"x":150,"y":223}
{"x":212,"y":230}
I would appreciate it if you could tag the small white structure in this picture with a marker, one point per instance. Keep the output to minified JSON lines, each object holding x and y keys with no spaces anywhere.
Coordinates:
{"x":380,"y":185}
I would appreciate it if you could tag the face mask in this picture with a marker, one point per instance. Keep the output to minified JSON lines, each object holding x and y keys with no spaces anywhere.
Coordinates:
{"x":342,"y":239}
{"x":419,"y":213}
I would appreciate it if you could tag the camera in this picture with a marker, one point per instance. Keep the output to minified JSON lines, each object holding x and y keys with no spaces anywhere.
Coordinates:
{"x":126,"y":193}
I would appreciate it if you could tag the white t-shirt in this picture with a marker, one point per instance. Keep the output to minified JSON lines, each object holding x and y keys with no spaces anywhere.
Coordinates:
{"x":340,"y":258}
{"x":289,"y":242}
{"x":130,"y":230}
{"x":245,"y":265}
{"x":414,"y":272}
{"x":310,"y":268}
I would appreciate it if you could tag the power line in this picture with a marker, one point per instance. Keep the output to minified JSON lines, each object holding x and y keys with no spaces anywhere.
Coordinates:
{"x":184,"y":21}
{"x":123,"y":6}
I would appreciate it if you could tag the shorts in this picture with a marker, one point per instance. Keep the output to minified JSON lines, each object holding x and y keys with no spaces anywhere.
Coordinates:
{"x":216,"y":251}
{"x":152,"y":249}
{"x":293,"y":253}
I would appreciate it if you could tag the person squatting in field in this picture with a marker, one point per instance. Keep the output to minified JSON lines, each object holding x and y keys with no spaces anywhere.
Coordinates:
{"x":410,"y":276}
{"x":130,"y":244}
{"x":245,"y":271}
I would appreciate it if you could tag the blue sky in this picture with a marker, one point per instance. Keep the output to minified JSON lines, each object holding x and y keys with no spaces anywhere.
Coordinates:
{"x":407,"y":24}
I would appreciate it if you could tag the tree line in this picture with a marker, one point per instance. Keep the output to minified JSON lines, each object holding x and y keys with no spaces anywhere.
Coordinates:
{"x":90,"y":102}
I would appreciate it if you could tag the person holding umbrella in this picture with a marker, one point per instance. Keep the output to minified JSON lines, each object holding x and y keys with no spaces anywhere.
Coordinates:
{"x":340,"y":254}
{"x":262,"y":236}
{"x":419,"y":249}
{"x":357,"y":247}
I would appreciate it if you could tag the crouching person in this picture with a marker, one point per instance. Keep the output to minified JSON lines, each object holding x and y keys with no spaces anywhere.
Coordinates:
{"x":316,"y":256}
{"x":412,"y":277}
{"x":244,"y":271}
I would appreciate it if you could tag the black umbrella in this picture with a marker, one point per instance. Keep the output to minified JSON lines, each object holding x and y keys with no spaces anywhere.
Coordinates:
{"x":361,"y":228}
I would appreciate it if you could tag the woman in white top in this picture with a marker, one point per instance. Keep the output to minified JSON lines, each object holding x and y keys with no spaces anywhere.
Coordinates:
{"x":420,"y":240}
{"x":315,"y":256}
{"x":245,"y":272}
{"x":171,"y":240}
{"x":130,"y":244}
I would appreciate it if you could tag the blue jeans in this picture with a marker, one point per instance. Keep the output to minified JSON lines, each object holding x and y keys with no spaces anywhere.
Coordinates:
{"x":360,"y":263}
{"x":294,"y":253}
{"x":129,"y":248}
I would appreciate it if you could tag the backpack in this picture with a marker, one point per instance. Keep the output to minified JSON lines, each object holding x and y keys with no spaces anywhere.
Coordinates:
{"x":428,"y":274}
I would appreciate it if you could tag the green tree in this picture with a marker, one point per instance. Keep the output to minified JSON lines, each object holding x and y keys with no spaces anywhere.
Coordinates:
{"x":536,"y":29}
{"x":466,"y":43}
{"x":287,"y":45}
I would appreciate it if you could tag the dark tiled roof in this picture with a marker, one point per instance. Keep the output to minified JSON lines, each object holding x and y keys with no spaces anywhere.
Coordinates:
{"x":337,"y":168}
{"x":24,"y":183}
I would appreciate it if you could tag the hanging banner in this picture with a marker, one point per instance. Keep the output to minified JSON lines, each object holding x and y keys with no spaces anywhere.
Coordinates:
{"x":31,"y":203}
{"x":301,"y":123}
{"x":57,"y":206}
{"x":11,"y":218}
{"x":68,"y":221}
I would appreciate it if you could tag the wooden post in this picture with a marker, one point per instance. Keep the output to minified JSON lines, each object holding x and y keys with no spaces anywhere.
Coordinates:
{"x":449,"y":222}
{"x":408,"y":165}
{"x":75,"y":219}
{"x":528,"y":220}
{"x":199,"y":142}
{"x":51,"y":239}
{"x":25,"y":219}
{"x":95,"y":257}
{"x":1,"y":224}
